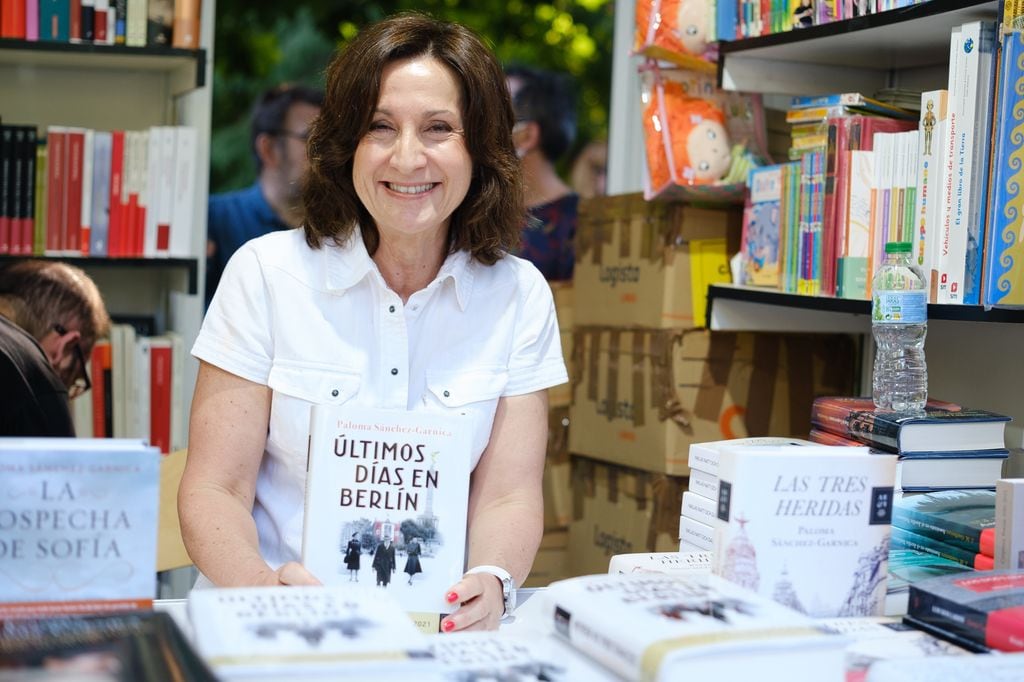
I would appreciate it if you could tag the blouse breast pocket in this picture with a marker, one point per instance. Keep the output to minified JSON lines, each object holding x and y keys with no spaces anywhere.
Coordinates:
{"x":297,"y":386}
{"x":470,"y":393}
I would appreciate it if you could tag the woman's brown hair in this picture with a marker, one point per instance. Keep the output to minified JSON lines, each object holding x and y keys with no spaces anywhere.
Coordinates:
{"x":489,"y":220}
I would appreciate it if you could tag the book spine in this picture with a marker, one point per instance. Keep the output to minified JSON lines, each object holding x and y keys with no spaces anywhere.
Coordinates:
{"x":135,"y":23}
{"x":186,"y":24}
{"x":31,"y":20}
{"x":904,"y":539}
{"x":72,"y":228}
{"x":697,"y":533}
{"x":85,"y":215}
{"x":29,"y":213}
{"x":938,"y":527}
{"x":184,"y":197}
{"x":946,"y":614}
{"x":56,"y":140}
{"x":699,"y":508}
{"x":100,"y":194}
{"x":1009,"y":530}
{"x":38,"y":239}
{"x":160,"y":394}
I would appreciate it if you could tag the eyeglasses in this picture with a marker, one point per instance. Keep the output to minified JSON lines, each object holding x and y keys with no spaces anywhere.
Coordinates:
{"x":302,"y":137}
{"x":81,"y":382}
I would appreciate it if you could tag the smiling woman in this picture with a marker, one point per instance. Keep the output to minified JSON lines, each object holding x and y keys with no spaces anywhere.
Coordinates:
{"x":400,"y":276}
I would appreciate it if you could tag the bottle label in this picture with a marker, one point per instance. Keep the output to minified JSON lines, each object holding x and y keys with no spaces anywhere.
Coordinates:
{"x":899,"y":307}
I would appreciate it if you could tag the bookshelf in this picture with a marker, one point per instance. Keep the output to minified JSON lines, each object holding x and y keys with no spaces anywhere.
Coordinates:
{"x":108,"y":87}
{"x":973,"y":353}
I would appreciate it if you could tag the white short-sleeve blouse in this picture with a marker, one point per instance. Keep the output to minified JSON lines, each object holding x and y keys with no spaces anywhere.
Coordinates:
{"x":321,"y":326}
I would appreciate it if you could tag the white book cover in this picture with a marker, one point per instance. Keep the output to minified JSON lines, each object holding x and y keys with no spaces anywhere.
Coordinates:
{"x":661,"y":562}
{"x":386,"y":503}
{"x":703,"y":483}
{"x":930,"y":151}
{"x":807,"y":526}
{"x":501,"y":656}
{"x":140,"y":386}
{"x":143,"y":185}
{"x":79,"y":524}
{"x":646,"y":626}
{"x":698,"y":507}
{"x":953,"y":247}
{"x":122,"y":349}
{"x":292,"y":631}
{"x":153,"y":176}
{"x":704,"y":456}
{"x":987,"y":667}
{"x":697,"y":533}
{"x":179,"y":407}
{"x":898,"y":193}
{"x":858,"y":226}
{"x":183,"y":201}
{"x":883,"y":638}
{"x":1010,"y":523}
{"x":882,"y":215}
{"x":102,"y":148}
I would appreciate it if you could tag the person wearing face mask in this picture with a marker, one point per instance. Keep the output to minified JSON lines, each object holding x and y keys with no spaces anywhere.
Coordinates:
{"x":51,"y":314}
{"x":279,"y":126}
{"x":545,"y":107}
{"x":400,"y":274}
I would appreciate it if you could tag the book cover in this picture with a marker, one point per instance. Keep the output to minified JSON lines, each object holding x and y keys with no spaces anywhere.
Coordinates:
{"x":483,"y":656}
{"x":760,"y":240}
{"x":102,"y":149}
{"x":185,"y":33}
{"x":966,"y":469}
{"x":141,"y":646}
{"x":965,"y":518}
{"x":695,"y":627}
{"x":944,"y":427}
{"x":853,"y":227}
{"x":905,"y":539}
{"x":852,"y":100}
{"x":1009,"y":529}
{"x":987,"y":608}
{"x":661,"y":562}
{"x":945,"y":668}
{"x":396,"y":484}
{"x":7,"y":198}
{"x":806,"y":526}
{"x":292,"y":630}
{"x":706,"y":456}
{"x":82,"y":518}
{"x":934,"y":111}
{"x":1004,"y":253}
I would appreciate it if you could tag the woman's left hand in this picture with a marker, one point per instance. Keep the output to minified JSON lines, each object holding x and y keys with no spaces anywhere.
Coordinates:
{"x":482,"y":604}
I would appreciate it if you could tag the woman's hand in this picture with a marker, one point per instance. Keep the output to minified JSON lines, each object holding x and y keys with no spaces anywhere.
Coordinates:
{"x":294,"y":573}
{"x":482,"y":604}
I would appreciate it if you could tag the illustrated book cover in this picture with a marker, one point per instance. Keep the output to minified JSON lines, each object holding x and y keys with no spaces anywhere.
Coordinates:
{"x":944,"y":427}
{"x":806,"y":526}
{"x":81,"y":525}
{"x":760,"y":238}
{"x":293,"y":630}
{"x":985,"y":607}
{"x":693,"y":627}
{"x":386,"y":504}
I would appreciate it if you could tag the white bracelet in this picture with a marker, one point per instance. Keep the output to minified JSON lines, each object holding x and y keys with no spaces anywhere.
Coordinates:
{"x":508,"y":585}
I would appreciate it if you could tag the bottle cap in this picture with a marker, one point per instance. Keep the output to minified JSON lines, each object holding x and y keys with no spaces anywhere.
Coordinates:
{"x":897,"y":247}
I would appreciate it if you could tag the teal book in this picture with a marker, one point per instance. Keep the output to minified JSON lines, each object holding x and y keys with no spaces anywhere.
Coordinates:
{"x":964,"y":518}
{"x":54,"y":20}
{"x":905,"y":539}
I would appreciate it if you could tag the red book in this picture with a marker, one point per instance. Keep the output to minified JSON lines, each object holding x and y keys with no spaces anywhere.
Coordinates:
{"x":102,"y":408}
{"x":99,"y":32}
{"x":160,"y":392}
{"x":7,"y":199}
{"x":75,"y":23}
{"x":116,"y":220}
{"x":73,"y":213}
{"x":12,"y":19}
{"x":984,"y":608}
{"x":56,"y":189}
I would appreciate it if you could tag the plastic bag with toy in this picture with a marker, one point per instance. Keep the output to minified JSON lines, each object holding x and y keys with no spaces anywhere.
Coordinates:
{"x":698,"y":136}
{"x":679,"y":31}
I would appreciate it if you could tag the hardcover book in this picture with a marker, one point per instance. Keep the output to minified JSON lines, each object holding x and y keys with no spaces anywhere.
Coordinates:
{"x":705,"y":456}
{"x":487,"y":656}
{"x":907,"y":539}
{"x":986,"y":608}
{"x":661,"y":562}
{"x":386,"y":504}
{"x":944,"y":427}
{"x":80,"y":533}
{"x":907,"y":566}
{"x":761,"y":227}
{"x":291,"y":631}
{"x":693,"y":627}
{"x":806,"y":526}
{"x":965,"y":518}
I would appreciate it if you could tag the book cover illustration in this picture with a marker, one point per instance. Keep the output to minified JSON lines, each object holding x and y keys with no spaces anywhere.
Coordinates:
{"x":508,"y":657}
{"x":79,"y":523}
{"x":689,"y":627}
{"x":309,"y":628}
{"x":807,"y":526}
{"x":761,"y":227}
{"x":386,"y":504}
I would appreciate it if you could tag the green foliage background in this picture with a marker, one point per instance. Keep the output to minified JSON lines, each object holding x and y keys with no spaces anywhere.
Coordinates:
{"x":261,"y":42}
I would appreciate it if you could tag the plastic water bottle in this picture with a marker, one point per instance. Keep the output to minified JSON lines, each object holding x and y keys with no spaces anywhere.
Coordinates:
{"x":899,"y":322}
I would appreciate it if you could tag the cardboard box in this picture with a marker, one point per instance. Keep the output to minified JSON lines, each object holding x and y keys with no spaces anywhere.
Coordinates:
{"x":643,"y":395}
{"x":556,"y":484}
{"x":649,"y":264}
{"x":552,"y":560}
{"x":561,"y":396}
{"x":620,"y":510}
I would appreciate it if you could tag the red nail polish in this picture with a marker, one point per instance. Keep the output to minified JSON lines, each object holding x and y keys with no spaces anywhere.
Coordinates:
{"x":449,"y":625}
{"x":451,"y":597}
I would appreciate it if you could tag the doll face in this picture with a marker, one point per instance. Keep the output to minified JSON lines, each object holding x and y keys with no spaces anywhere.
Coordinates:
{"x":708,"y":148}
{"x":692,"y":25}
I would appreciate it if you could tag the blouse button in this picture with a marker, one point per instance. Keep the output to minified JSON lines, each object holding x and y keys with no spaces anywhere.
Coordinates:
{"x":447,"y":394}
{"x":391,"y":309}
{"x":394,"y":371}
{"x":334,"y":393}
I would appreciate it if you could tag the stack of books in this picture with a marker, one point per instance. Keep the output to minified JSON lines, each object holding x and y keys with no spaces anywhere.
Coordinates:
{"x":947,"y":447}
{"x":958,"y":525}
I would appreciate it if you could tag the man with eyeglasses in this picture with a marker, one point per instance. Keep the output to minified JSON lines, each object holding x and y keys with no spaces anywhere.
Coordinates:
{"x":51,"y":315}
{"x":280,"y":123}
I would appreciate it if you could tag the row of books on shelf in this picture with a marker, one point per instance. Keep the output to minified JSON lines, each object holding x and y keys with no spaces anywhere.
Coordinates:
{"x":133,"y":23}
{"x":752,"y":18}
{"x":137,"y":390}
{"x":84,"y":192}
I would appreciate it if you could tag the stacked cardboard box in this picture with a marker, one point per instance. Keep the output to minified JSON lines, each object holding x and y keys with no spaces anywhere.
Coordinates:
{"x":552,"y":560}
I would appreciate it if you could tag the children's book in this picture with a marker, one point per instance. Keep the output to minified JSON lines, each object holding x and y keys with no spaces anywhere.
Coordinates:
{"x":853,"y":100}
{"x":291,"y":631}
{"x":386,"y":504}
{"x":645,"y":626}
{"x":806,"y":526}
{"x":965,"y":518}
{"x":760,"y":247}
{"x":944,"y":427}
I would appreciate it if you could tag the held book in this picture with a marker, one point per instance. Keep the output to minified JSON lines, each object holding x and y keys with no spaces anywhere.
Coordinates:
{"x":293,"y":631}
{"x":806,"y":526}
{"x":386,"y":504}
{"x":986,"y":608}
{"x":944,"y":427}
{"x":694,"y":627}
{"x":964,"y":518}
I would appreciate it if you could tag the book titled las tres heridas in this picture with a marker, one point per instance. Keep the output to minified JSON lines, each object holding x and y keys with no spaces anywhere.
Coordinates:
{"x":807,"y":526}
{"x":386,"y":503}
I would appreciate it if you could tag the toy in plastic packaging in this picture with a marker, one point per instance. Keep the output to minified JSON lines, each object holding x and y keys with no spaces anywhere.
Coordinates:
{"x":679,"y":31}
